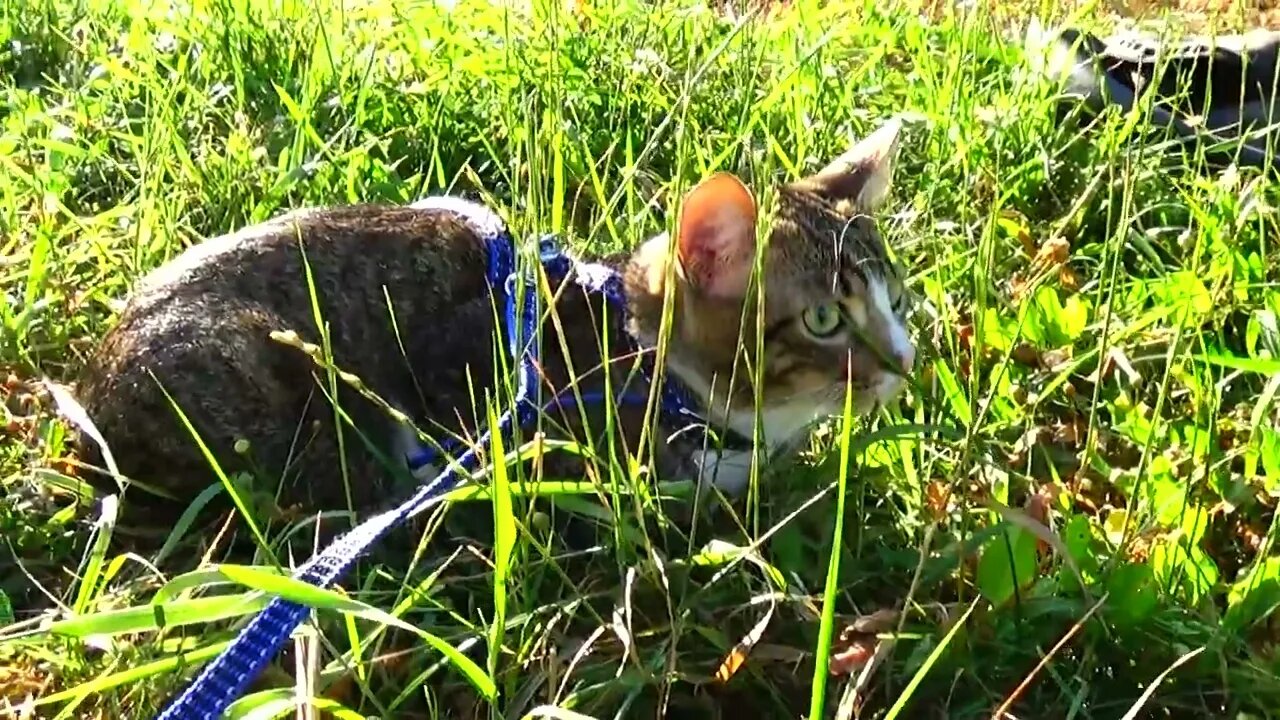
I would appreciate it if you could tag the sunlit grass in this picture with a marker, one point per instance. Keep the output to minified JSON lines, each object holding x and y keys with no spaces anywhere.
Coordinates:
{"x":1098,"y":332}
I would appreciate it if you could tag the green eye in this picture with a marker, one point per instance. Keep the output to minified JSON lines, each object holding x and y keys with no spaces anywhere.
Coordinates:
{"x":822,"y":321}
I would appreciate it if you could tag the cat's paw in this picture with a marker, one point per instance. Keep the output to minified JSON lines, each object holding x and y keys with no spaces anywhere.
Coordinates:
{"x":728,"y":470}
{"x":404,"y":444}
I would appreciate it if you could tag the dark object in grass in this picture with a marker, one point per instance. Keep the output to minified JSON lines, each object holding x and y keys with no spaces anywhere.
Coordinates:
{"x":1218,"y":92}
{"x":228,"y":330}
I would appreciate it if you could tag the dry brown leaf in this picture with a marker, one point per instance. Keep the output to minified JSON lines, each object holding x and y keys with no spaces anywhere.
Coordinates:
{"x":738,"y":655}
{"x":1068,"y":278}
{"x":1018,"y":287}
{"x":1055,"y":251}
{"x":1026,"y":354}
{"x":858,"y":641}
{"x":937,"y":494}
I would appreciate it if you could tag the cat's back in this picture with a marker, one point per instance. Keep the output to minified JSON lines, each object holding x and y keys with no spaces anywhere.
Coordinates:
{"x":372,"y":275}
{"x":346,"y":250}
{"x":368,"y":272}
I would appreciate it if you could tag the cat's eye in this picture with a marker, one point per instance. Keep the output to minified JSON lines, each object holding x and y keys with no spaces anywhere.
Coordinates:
{"x":822,"y":321}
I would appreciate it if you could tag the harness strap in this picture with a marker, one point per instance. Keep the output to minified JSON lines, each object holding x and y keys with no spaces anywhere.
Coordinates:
{"x":225,"y":678}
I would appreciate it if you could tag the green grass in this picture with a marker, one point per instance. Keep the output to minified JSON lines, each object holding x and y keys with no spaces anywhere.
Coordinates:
{"x":1131,"y":389}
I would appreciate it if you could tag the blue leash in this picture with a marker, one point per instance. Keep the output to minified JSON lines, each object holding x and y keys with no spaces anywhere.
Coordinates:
{"x":224,"y":679}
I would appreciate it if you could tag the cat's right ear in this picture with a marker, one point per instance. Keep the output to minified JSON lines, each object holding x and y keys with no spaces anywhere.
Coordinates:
{"x":716,"y":238}
{"x":864,"y":173}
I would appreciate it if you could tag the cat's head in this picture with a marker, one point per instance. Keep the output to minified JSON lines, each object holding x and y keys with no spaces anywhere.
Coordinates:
{"x":833,"y":307}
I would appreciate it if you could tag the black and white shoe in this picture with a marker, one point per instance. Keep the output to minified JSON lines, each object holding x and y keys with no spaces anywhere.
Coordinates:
{"x":1217,"y":91}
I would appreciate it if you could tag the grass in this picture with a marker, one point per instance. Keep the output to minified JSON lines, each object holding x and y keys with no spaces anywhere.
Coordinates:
{"x":1098,"y":338}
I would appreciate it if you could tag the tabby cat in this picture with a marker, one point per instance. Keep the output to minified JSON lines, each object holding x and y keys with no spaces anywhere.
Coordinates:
{"x":403,"y":296}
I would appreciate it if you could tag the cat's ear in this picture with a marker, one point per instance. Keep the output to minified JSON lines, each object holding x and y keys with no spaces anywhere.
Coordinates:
{"x":864,"y":173}
{"x":716,"y":238}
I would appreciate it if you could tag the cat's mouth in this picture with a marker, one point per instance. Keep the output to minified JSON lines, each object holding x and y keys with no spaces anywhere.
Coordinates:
{"x":878,"y":392}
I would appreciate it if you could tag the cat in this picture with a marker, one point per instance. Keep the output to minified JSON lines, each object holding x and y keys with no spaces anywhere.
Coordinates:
{"x":403,"y":294}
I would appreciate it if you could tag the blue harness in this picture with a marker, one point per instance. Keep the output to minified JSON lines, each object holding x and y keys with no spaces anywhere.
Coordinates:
{"x":225,"y":678}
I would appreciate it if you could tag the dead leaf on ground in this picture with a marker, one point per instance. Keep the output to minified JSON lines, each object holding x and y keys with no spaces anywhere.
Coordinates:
{"x":738,"y":655}
{"x":1026,"y":354}
{"x":1055,"y":251}
{"x":858,"y":641}
{"x":937,"y":496}
{"x":1068,"y":278}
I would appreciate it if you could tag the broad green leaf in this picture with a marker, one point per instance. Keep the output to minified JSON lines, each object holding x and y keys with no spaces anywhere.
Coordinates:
{"x":1256,"y":595}
{"x":719,"y":553}
{"x":1190,"y":571}
{"x":790,"y":548}
{"x":1269,"y":454}
{"x":1185,"y":291}
{"x":1113,"y":525}
{"x":1168,"y":498}
{"x":1053,"y":318}
{"x":997,"y":332}
{"x":1075,"y":318}
{"x":1252,"y":333}
{"x":1194,"y":522}
{"x":1196,"y":436}
{"x":1133,"y":594}
{"x":1137,"y":427}
{"x":1013,"y":226}
{"x":1077,"y":535}
{"x":1008,"y":562}
{"x":290,"y":588}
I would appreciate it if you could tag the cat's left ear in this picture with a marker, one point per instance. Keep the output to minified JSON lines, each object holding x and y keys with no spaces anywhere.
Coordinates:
{"x":864,"y":173}
{"x":716,"y":239}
